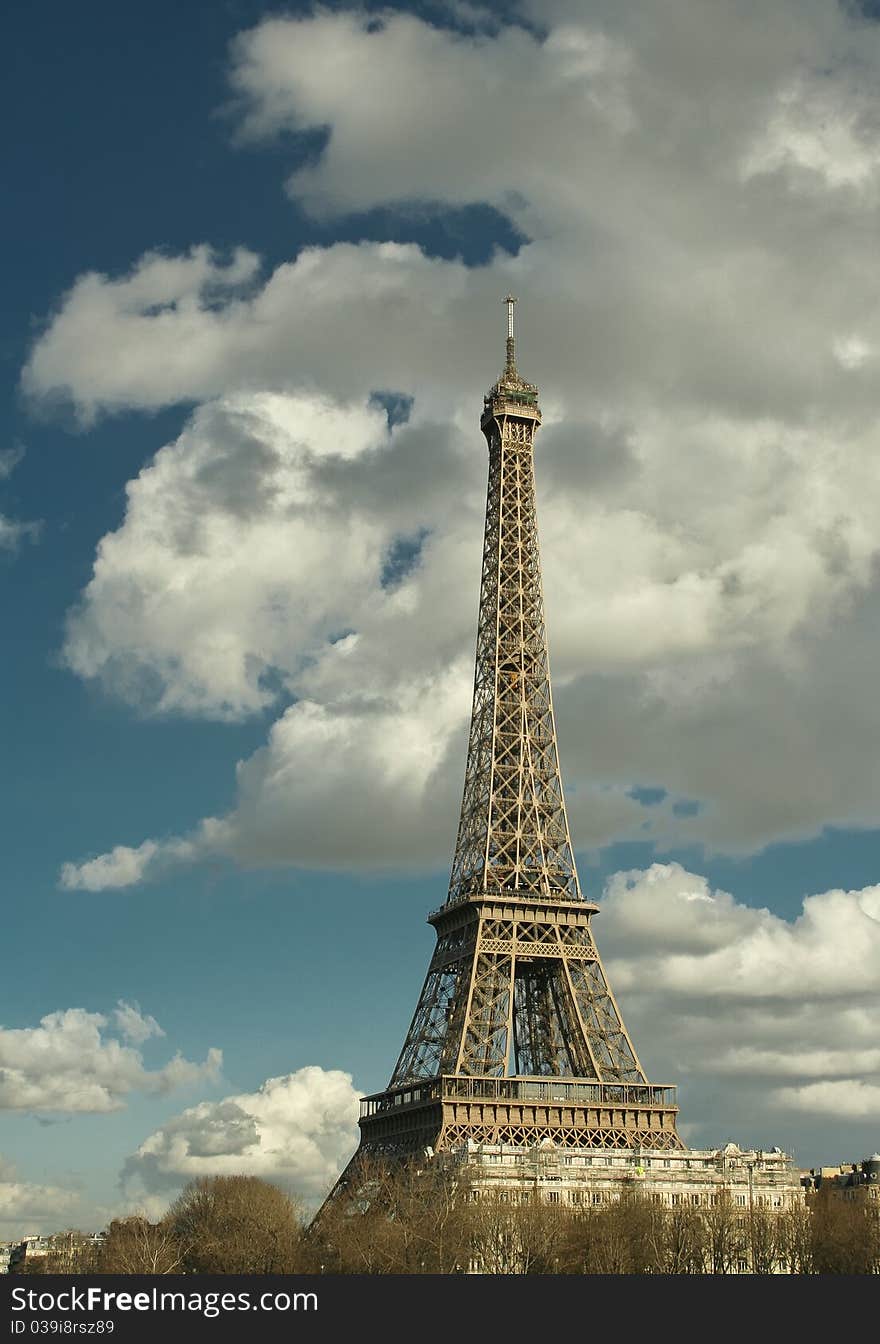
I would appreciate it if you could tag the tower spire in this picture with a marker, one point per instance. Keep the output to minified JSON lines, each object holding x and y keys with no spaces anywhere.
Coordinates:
{"x":510,"y":366}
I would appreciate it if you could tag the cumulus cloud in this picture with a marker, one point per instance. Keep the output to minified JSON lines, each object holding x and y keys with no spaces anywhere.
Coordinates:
{"x":297,"y":1130}
{"x":234,"y":560}
{"x":72,"y":1063}
{"x":165,"y":296}
{"x":821,"y":134}
{"x":133,"y":1024}
{"x":736,"y":948}
{"x":707,"y":478}
{"x":764,"y":1020}
{"x":126,"y":866}
{"x":122,"y":867}
{"x":155,"y":344}
{"x":26,"y":1208}
{"x":846,"y":1098}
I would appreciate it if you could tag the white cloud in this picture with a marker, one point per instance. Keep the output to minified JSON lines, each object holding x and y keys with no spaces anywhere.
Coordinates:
{"x":166,"y":296}
{"x":297,"y":1130}
{"x":234,"y":561}
{"x":847,"y":1099}
{"x":806,"y":1063}
{"x":27,"y":1208}
{"x":126,"y":866}
{"x":122,"y":867}
{"x":766,"y":1021}
{"x":72,"y":1063}
{"x":133,"y":1024}
{"x":736,"y":949}
{"x":329,"y":320}
{"x":401,"y":99}
{"x":823,"y":128}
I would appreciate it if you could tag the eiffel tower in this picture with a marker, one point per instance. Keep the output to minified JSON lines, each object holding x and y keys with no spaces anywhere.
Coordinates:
{"x":516,"y":1037}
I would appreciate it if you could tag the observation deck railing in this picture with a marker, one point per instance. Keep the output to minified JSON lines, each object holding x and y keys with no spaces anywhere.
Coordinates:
{"x":568,"y":1091}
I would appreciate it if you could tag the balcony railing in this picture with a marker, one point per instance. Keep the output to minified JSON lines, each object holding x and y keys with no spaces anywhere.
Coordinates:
{"x":565,"y":1090}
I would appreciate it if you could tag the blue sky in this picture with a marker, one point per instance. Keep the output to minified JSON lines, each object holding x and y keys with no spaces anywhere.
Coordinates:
{"x":691,"y":237}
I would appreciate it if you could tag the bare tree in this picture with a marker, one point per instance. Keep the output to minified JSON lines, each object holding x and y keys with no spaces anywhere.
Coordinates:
{"x":796,"y":1239}
{"x":518,"y":1232}
{"x":681,"y":1240}
{"x":765,"y":1240}
{"x":725,"y":1241}
{"x":626,"y":1235}
{"x":236,"y":1225}
{"x":397,"y":1217}
{"x":846,"y":1239}
{"x":135,"y":1246}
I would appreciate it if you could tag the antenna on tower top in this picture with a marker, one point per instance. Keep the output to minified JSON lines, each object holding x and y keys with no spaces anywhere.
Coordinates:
{"x":510,"y":368}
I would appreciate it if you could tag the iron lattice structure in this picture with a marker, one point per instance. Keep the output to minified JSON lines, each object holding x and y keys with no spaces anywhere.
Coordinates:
{"x":516,"y":1037}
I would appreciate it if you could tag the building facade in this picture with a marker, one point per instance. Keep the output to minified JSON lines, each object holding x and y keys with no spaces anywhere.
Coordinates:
{"x":850,"y":1180}
{"x":695,"y":1178}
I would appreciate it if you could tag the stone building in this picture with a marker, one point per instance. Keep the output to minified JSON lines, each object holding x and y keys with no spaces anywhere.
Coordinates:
{"x":850,"y":1180}
{"x":692,"y":1177}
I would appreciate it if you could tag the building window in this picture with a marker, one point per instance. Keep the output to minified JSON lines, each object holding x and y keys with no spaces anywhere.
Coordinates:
{"x":553,"y":1197}
{"x":695,"y":1199}
{"x":741,"y":1201}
